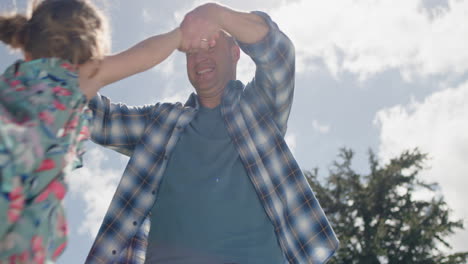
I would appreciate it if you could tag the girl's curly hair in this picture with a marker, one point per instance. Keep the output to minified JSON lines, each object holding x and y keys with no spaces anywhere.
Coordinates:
{"x":74,"y":30}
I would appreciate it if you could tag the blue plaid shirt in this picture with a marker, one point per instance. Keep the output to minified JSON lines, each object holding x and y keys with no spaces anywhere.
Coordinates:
{"x":256,"y":117}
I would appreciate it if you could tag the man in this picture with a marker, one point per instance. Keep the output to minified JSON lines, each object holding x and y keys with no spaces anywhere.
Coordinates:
{"x":213,"y":180}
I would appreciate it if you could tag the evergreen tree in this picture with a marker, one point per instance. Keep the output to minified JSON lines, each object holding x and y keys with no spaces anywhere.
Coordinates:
{"x":378,"y":219}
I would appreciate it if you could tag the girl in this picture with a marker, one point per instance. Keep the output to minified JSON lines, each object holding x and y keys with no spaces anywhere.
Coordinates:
{"x":43,"y":118}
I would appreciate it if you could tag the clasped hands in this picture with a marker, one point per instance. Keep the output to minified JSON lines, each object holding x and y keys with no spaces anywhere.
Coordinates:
{"x":200,"y":28}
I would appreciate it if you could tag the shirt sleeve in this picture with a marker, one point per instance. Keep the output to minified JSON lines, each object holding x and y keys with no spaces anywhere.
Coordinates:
{"x":117,"y":126}
{"x":273,"y":84}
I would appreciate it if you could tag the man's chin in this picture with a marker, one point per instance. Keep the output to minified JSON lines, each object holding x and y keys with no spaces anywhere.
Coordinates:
{"x":204,"y":86}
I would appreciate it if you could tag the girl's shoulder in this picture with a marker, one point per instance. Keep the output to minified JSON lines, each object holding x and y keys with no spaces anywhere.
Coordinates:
{"x":39,"y":68}
{"x":28,"y":88}
{"x":22,"y":76}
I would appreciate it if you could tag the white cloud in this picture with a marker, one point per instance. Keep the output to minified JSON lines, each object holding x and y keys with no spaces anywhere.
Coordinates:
{"x":95,"y":186}
{"x":174,"y":92}
{"x":146,"y":16}
{"x":245,"y":69}
{"x":177,"y":97}
{"x":189,"y":6}
{"x":438,"y":126}
{"x":167,"y":67}
{"x":291,"y":140}
{"x":368,"y":36}
{"x":321,"y":128}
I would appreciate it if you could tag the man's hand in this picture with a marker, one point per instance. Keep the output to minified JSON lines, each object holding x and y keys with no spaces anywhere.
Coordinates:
{"x":200,"y":28}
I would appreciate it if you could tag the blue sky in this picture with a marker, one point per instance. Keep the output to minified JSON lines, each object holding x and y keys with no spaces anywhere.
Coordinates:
{"x":382,"y":74}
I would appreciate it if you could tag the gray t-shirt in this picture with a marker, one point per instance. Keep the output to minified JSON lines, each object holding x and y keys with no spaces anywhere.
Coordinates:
{"x":207,"y":210}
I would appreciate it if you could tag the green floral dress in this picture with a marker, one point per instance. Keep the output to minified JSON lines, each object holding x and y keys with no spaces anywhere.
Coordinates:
{"x":43,"y":123}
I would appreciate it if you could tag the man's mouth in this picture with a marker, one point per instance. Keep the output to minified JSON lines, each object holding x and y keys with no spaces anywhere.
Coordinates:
{"x":205,"y":71}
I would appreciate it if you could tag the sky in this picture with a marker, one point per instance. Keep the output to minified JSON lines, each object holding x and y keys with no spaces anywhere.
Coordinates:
{"x":386,"y":75}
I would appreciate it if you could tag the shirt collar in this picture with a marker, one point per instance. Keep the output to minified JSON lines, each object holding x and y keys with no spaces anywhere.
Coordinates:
{"x":231,"y":93}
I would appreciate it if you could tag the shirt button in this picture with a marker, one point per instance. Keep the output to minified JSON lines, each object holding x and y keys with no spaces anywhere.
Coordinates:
{"x":114,"y":252}
{"x":153,"y":192}
{"x":134,"y":223}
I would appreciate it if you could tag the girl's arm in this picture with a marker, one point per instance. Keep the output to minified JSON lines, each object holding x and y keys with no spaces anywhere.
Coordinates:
{"x":144,"y":55}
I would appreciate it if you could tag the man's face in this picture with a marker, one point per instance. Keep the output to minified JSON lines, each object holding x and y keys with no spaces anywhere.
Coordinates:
{"x":210,"y":70}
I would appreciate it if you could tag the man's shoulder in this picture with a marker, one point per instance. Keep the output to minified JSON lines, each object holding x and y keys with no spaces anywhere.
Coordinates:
{"x":166,"y":108}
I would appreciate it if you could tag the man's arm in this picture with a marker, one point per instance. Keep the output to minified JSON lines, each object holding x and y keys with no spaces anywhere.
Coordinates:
{"x":274,"y":80}
{"x":260,"y":38}
{"x":117,"y":126}
{"x":205,"y":21}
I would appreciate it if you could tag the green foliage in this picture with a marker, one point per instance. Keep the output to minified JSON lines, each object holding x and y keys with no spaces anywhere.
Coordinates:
{"x":378,"y":219}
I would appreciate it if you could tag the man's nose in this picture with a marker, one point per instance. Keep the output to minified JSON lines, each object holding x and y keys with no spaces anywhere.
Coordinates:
{"x":200,"y":56}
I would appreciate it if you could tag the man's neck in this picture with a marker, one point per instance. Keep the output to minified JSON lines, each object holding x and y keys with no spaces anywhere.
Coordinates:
{"x":211,"y":99}
{"x":209,"y":102}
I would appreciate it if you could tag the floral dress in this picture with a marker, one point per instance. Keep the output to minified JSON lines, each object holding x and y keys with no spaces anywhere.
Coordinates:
{"x":43,"y":123}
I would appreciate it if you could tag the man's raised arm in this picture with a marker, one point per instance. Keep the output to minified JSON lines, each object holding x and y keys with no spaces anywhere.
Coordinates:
{"x":210,"y":18}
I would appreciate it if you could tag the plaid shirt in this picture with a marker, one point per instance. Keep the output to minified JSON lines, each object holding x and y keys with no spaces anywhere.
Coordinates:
{"x":256,"y":116}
